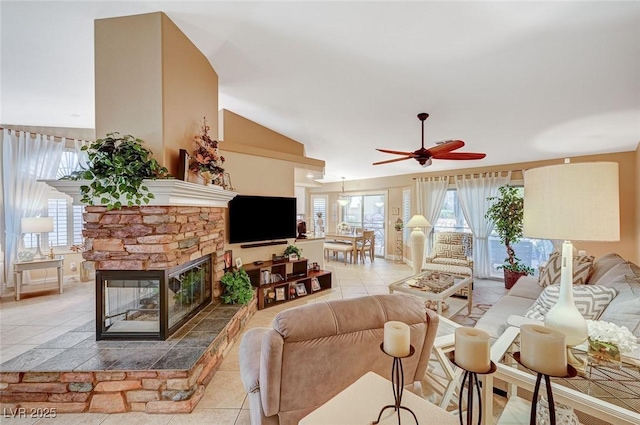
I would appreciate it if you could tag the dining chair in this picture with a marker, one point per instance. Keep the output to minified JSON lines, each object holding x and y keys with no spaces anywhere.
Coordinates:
{"x":366,"y":245}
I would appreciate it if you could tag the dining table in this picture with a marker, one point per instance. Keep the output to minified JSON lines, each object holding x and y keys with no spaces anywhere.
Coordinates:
{"x":352,"y":238}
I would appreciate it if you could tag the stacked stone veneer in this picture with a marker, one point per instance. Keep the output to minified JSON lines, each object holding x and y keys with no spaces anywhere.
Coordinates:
{"x":151,"y":391}
{"x":154,"y":238}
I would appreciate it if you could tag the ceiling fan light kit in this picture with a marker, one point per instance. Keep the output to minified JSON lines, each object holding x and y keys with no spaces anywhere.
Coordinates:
{"x":443,"y":150}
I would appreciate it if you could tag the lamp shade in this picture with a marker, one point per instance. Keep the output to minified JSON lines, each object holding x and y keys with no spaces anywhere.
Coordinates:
{"x":418,"y":221}
{"x":36,"y":224}
{"x":578,"y":202}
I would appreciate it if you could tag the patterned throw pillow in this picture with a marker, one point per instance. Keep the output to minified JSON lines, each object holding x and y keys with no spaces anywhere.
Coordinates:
{"x":582,"y":266}
{"x":591,"y":301}
{"x":450,"y":251}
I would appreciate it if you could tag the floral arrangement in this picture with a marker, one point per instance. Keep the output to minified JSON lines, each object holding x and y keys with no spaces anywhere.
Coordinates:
{"x":344,"y":227}
{"x":205,"y":159}
{"x":607,"y":340}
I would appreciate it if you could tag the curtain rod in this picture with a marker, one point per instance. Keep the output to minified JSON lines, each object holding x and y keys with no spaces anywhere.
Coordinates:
{"x":48,"y":135}
{"x":467,"y":174}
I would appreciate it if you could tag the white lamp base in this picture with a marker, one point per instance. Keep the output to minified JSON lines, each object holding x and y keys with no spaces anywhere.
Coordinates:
{"x":416,"y":242}
{"x":564,"y":316}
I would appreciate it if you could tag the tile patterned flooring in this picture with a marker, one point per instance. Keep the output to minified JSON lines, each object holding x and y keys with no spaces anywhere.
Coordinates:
{"x":53,"y":323}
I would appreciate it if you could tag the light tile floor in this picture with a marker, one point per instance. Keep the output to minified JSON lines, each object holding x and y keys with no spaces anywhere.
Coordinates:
{"x":35,"y":320}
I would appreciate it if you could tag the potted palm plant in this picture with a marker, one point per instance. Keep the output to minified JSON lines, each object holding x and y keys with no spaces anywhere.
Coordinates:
{"x":506,"y":212}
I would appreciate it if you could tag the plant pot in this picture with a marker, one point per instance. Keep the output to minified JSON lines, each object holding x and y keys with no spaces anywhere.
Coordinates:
{"x":511,"y":277}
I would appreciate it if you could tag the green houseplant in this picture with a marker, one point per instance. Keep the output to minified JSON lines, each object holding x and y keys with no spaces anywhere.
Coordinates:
{"x":116,"y":168}
{"x":507,"y":211}
{"x":292,"y":249}
{"x":237,"y":287}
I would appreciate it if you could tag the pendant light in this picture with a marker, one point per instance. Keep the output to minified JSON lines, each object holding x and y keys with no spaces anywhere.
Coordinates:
{"x":343,"y":199}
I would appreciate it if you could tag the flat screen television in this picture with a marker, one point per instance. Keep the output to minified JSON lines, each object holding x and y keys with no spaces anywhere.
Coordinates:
{"x":261,"y":218}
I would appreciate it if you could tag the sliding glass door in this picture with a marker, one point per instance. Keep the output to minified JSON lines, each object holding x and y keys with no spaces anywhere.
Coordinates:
{"x":367,"y":212}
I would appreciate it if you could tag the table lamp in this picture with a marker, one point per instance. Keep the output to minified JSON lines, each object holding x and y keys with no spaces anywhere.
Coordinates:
{"x":416,"y":240}
{"x":571,"y":202}
{"x":37,"y":226}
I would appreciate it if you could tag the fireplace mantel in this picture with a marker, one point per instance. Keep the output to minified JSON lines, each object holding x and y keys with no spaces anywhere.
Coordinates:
{"x":167,"y":192}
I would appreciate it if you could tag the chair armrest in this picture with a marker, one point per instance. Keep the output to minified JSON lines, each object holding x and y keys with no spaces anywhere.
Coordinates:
{"x":429,"y":259}
{"x":250,"y":349}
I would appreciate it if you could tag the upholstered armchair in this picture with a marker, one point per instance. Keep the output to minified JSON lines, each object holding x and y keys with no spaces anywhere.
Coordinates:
{"x":452,"y":253}
{"x":315,"y":351}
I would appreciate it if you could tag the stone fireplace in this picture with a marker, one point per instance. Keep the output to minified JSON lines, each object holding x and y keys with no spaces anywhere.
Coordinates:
{"x":156,"y":266}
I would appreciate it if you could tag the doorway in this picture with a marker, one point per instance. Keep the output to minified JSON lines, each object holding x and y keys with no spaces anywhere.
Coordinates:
{"x":367,"y":212}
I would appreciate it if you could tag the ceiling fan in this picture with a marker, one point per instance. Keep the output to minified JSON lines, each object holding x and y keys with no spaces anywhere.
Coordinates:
{"x":442,"y":150}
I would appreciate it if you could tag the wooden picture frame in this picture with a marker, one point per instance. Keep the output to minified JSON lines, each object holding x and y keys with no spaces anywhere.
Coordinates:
{"x":228,"y":260}
{"x":315,"y":285}
{"x":280,"y":293}
{"x":395,"y":211}
{"x":300,"y":289}
{"x":183,"y":165}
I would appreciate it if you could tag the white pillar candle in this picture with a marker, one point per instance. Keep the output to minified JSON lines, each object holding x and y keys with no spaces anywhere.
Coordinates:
{"x":473,"y":350}
{"x":543,"y":350}
{"x":396,"y":339}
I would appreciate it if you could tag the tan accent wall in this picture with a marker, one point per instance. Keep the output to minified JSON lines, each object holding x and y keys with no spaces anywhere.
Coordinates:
{"x":153,"y":83}
{"x":240,"y":130}
{"x":190,"y":93}
{"x":628,"y":246}
{"x":637,"y":204}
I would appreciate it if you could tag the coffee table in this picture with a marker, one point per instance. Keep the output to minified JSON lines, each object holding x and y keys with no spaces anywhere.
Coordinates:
{"x":459,"y":282}
{"x":611,"y":394}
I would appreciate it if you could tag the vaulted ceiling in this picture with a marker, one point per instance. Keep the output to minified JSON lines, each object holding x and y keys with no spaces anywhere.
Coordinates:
{"x":519,"y":81}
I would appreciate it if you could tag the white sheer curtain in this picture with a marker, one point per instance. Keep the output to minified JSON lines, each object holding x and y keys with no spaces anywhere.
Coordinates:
{"x":430,"y":194}
{"x":473,"y":193}
{"x":25,"y":159}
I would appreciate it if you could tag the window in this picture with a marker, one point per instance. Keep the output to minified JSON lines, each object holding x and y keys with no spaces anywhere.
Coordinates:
{"x":67,"y":218}
{"x":406,"y":212}
{"x":531,"y":252}
{"x":319,"y":206}
{"x":367,"y":212}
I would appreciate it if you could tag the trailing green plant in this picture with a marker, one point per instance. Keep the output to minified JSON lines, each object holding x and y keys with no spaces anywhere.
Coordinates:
{"x":507,"y":213}
{"x":190,"y":286}
{"x":292,"y":249}
{"x":117,"y":167}
{"x":237,"y":287}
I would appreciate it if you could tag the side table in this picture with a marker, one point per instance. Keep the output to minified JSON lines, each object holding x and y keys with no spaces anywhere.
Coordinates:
{"x":46,"y":263}
{"x":360,"y":403}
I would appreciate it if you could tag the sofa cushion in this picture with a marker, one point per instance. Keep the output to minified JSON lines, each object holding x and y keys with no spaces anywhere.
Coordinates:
{"x":590,"y":300}
{"x":494,"y":321}
{"x":550,"y":275}
{"x":526,"y":287}
{"x":602,"y":265}
{"x":624,"y":310}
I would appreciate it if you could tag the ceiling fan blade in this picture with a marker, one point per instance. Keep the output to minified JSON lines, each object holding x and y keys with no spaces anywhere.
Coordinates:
{"x":445,"y":147}
{"x":392,"y":160}
{"x":395,"y":152}
{"x":460,"y":155}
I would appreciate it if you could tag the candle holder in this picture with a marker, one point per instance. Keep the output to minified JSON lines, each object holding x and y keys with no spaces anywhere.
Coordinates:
{"x":571,"y":372}
{"x":397,"y":384}
{"x":472,"y":378}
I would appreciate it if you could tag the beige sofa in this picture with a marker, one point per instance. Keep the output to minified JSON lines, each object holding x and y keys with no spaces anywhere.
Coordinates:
{"x":610,"y":270}
{"x":315,"y":351}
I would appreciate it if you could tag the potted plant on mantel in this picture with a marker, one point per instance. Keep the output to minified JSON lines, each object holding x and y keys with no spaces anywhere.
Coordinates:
{"x":507,"y":212}
{"x":116,"y":168}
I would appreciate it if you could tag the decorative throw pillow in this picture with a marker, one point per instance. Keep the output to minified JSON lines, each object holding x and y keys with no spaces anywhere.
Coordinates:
{"x":450,"y":251}
{"x":550,"y":275}
{"x":591,"y":301}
